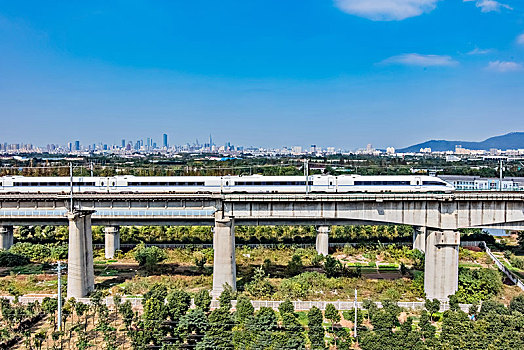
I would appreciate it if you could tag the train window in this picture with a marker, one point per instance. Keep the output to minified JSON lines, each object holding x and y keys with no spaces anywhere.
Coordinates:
{"x":382,"y":183}
{"x":227,"y":183}
{"x":102,"y":183}
{"x":433,"y":183}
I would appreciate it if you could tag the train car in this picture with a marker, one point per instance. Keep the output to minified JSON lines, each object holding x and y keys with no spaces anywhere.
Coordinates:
{"x":225,"y":184}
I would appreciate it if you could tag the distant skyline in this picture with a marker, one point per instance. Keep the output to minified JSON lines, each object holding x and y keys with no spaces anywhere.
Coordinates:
{"x":340,"y":73}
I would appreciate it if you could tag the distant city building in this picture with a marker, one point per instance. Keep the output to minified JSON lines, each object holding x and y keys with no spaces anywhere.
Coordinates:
{"x":296,"y":150}
{"x":77,"y":145}
{"x":164,"y":141}
{"x":452,"y":158}
{"x":390,"y":150}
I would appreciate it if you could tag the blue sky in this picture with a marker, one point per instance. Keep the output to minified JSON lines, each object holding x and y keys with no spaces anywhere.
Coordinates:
{"x":338,"y":73}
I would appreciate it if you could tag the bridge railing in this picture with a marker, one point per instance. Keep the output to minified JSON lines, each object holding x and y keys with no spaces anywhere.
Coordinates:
{"x":511,"y":276}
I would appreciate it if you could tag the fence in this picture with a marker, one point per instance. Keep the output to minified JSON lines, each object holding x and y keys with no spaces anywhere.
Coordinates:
{"x":253,"y":245}
{"x":300,"y":305}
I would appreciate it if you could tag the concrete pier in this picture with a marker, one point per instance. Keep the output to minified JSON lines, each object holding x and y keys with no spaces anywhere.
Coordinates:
{"x":441,"y":264}
{"x":419,"y":238}
{"x":80,"y":268}
{"x":6,"y":237}
{"x":224,"y":266}
{"x":322,"y":244}
{"x":111,"y":241}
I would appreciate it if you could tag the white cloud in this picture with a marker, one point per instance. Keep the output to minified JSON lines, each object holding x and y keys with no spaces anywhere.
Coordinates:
{"x":504,"y":66}
{"x":477,"y":51}
{"x":489,"y":5}
{"x":520,"y":39}
{"x":386,"y":10}
{"x":415,"y":59}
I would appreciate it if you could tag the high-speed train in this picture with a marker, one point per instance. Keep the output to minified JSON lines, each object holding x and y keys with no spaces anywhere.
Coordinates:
{"x":225,"y":184}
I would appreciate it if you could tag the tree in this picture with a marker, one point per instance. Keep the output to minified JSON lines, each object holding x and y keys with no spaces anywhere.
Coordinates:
{"x":332,"y":315}
{"x":454,"y":303}
{"x":332,"y":266}
{"x":286,"y":307}
{"x":192,"y":327}
{"x":219,"y":333}
{"x":262,"y":326}
{"x":456,"y":330}
{"x":200,"y":260}
{"x":293,"y":330}
{"x":492,"y":307}
{"x":203,"y":300}
{"x":517,"y":304}
{"x":316,"y":329}
{"x":295,"y":266}
{"x":427,"y":329}
{"x":245,"y":310}
{"x":432,"y":306}
{"x":370,"y":307}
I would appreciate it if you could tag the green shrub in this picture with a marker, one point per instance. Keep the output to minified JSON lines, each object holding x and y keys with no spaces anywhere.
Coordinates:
{"x":259,"y":287}
{"x":40,"y":252}
{"x":516,"y":262}
{"x":478,"y":284}
{"x":149,"y":257}
{"x":8,"y":259}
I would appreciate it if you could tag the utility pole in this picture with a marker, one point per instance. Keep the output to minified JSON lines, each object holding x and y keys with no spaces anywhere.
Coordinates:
{"x":59,"y":269}
{"x":71,"y":190}
{"x":355,"y":323}
{"x":306,"y":174}
{"x":500,"y":171}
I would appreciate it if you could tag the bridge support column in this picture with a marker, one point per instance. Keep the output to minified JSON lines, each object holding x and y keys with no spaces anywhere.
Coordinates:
{"x":111,"y":241}
{"x":80,"y":268}
{"x":441,"y":264}
{"x":6,"y":237}
{"x":322,"y":243}
{"x":224,"y":265}
{"x":419,"y":238}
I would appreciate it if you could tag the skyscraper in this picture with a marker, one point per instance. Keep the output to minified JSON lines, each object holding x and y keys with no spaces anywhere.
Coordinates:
{"x":123,"y":143}
{"x":164,"y":140}
{"x":77,"y":145}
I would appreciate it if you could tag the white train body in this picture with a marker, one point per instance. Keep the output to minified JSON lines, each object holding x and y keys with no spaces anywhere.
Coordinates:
{"x":225,"y":184}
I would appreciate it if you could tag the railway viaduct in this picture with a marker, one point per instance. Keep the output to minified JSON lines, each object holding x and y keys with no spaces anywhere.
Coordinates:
{"x":436,"y":217}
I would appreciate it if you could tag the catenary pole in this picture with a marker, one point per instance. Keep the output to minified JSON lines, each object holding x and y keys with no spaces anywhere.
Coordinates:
{"x":355,"y":323}
{"x":59,"y":268}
